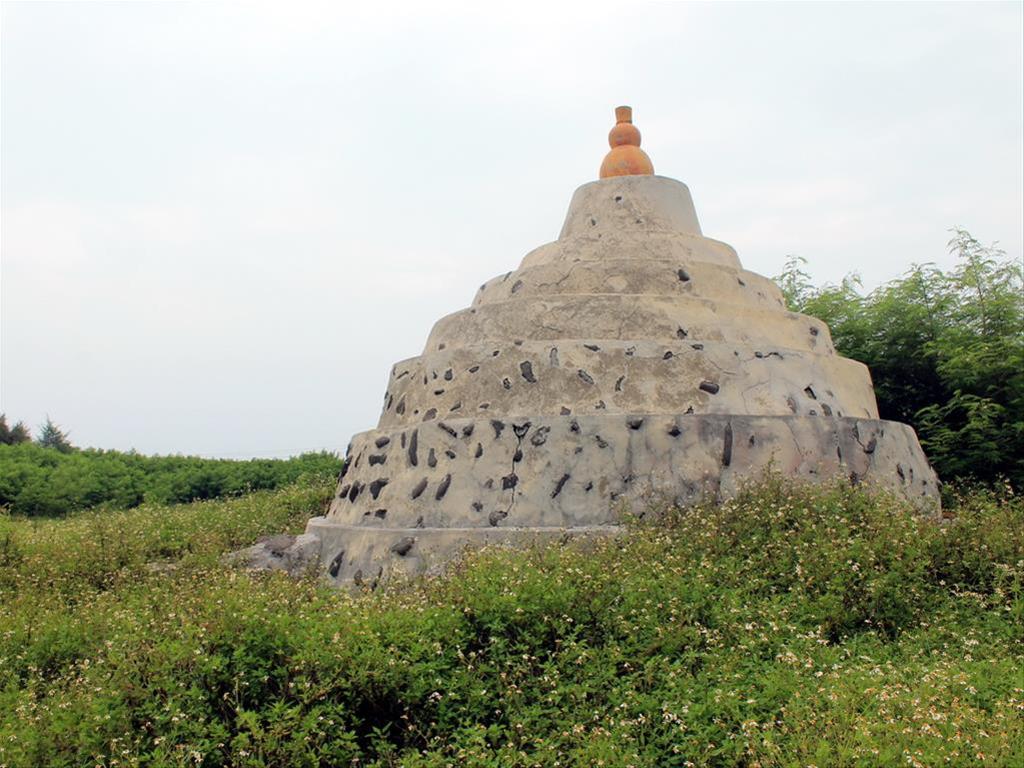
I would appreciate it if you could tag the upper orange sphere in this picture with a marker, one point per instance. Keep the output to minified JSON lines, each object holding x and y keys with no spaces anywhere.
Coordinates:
{"x":626,"y":157}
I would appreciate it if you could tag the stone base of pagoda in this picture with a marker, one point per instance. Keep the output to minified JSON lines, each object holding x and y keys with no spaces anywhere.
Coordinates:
{"x":412,"y":498}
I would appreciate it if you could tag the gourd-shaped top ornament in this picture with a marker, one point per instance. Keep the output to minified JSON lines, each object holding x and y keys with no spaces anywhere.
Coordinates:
{"x":626,"y":157}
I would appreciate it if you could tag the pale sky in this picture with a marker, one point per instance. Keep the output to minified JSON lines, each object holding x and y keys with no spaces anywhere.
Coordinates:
{"x":223,"y":222}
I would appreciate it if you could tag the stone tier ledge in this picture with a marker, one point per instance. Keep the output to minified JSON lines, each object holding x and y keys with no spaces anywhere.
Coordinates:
{"x":637,"y":277}
{"x":626,"y":316}
{"x":626,"y":204}
{"x":613,"y":376}
{"x":568,"y":471}
{"x":641,"y":245}
{"x":360,"y":557}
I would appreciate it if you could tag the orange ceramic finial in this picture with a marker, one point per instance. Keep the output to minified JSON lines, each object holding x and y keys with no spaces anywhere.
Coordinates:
{"x":626,"y":157}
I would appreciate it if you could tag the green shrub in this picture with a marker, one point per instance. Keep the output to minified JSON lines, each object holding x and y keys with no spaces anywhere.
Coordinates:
{"x":792,"y":626}
{"x":946,"y":353}
{"x":46,"y":482}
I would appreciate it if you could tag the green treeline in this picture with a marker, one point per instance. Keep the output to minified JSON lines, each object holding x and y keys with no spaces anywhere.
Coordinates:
{"x":39,"y":480}
{"x":946,"y":353}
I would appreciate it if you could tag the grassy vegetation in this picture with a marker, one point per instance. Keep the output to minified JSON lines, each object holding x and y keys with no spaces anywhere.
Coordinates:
{"x":52,"y":481}
{"x":789,"y":627}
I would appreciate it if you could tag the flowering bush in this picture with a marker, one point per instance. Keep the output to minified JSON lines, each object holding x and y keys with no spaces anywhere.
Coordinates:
{"x":791,"y":626}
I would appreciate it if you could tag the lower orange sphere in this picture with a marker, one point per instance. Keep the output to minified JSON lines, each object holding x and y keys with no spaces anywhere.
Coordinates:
{"x":626,"y":160}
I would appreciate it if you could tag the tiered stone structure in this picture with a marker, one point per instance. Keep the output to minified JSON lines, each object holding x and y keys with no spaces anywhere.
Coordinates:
{"x":631,"y":358}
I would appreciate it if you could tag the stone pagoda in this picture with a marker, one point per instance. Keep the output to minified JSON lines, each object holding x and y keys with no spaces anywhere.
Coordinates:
{"x":631,"y":359}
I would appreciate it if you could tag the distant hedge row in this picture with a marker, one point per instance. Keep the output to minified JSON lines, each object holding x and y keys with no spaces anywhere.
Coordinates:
{"x":40,"y":481}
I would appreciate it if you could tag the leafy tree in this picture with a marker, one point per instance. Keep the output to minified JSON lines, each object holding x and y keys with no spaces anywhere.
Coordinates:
{"x":20,"y":434}
{"x":13,"y":435}
{"x":52,"y":436}
{"x":945,"y":349}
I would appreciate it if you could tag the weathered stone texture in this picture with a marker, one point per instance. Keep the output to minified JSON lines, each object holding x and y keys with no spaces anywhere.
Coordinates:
{"x":632,"y":359}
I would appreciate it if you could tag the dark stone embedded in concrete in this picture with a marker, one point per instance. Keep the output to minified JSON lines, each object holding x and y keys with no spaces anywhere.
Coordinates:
{"x":335,"y":564}
{"x":526,"y":369}
{"x":414,"y":448}
{"x":419,"y":488}
{"x":585,"y":376}
{"x":442,"y":488}
{"x":402,"y":546}
{"x":380,"y":442}
{"x":431,"y":458}
{"x":709,"y":386}
{"x":377,"y":486}
{"x":560,"y":485}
